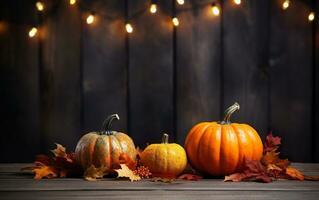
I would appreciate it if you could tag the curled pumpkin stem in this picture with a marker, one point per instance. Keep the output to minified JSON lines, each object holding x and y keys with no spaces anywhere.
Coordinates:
{"x":107,"y":124}
{"x":229,"y":111}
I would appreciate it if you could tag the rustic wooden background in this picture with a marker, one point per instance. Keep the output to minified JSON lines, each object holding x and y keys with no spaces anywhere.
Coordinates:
{"x":158,"y":79}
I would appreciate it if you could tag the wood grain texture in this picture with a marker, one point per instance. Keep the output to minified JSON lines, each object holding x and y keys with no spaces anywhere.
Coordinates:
{"x":198,"y":67}
{"x":104,"y":79}
{"x":19,"y":103}
{"x":184,"y":195}
{"x":60,"y":75}
{"x":150,"y":69}
{"x":315,"y":133}
{"x":15,"y":184}
{"x":290,"y":79}
{"x":245,"y":62}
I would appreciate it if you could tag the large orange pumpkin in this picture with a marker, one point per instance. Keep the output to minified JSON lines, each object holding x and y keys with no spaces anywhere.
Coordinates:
{"x":165,"y":160}
{"x":103,"y":148}
{"x":219,"y":148}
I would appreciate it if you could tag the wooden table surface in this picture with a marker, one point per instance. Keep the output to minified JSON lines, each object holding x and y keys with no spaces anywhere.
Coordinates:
{"x":15,"y":184}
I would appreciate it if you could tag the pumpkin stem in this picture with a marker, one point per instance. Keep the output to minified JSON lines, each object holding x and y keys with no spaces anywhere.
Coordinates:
{"x":165,"y":138}
{"x":107,"y":124}
{"x":229,"y":111}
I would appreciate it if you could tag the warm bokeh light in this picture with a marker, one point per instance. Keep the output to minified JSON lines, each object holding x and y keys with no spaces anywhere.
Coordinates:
{"x":153,"y":8}
{"x":175,"y":21}
{"x":33,"y":31}
{"x":90,"y":19}
{"x":129,"y":28}
{"x":180,"y":2}
{"x":72,"y":2}
{"x":39,"y":5}
{"x":215,"y":9}
{"x":238,"y":2}
{"x":285,"y":4}
{"x":311,"y":16}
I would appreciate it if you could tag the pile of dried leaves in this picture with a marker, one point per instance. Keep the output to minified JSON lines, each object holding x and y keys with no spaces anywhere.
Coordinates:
{"x":62,"y":164}
{"x":270,"y":167}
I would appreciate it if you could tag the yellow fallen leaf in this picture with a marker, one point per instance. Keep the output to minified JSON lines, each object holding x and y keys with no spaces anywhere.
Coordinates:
{"x":127,"y":173}
{"x":92,"y":173}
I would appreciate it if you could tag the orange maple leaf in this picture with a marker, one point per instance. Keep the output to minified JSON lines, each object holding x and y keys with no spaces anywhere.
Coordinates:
{"x":60,"y":152}
{"x":42,"y":171}
{"x":294,"y":173}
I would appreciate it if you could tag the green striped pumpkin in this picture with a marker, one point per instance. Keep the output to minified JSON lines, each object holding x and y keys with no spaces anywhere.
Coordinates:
{"x":104,"y":148}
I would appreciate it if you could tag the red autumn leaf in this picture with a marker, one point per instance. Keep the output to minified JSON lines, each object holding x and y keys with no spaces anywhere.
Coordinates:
{"x":253,"y":170}
{"x":190,"y":177}
{"x":272,"y":143}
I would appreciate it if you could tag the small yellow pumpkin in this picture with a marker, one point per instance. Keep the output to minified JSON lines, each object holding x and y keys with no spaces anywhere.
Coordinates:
{"x":165,"y":160}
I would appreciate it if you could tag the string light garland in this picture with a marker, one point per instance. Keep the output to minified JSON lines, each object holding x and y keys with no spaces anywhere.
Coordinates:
{"x":175,"y":21}
{"x":72,"y":2}
{"x":33,"y":32}
{"x":215,"y":9}
{"x":40,"y":6}
{"x":311,"y":16}
{"x":180,"y":2}
{"x":90,"y":19}
{"x":285,"y":4}
{"x":129,"y":28}
{"x":153,"y":8}
{"x":237,"y":2}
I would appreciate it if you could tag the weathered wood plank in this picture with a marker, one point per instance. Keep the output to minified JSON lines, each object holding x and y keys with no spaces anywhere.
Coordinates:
{"x":157,"y":194}
{"x":60,"y":77}
{"x":291,"y":84}
{"x":19,"y":103}
{"x":104,"y":78}
{"x":315,"y":133}
{"x":108,"y":184}
{"x":150,"y":73}
{"x":198,"y":67}
{"x":245,"y":61}
{"x":115,"y":185}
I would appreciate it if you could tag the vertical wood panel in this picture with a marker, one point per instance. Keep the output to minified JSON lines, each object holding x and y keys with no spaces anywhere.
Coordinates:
{"x":61,"y":99}
{"x":315,"y":132}
{"x":198,"y":68}
{"x":246,"y":61}
{"x":104,"y":66}
{"x":20,"y":138}
{"x":291,"y":82}
{"x":151,"y":75}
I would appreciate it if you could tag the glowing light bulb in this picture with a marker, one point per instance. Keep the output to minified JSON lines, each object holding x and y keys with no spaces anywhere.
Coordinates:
{"x":175,"y":21}
{"x":129,"y":28}
{"x":72,"y":2}
{"x":90,"y":19}
{"x":39,"y":5}
{"x":311,"y":16}
{"x":180,"y":2}
{"x":285,"y":4}
{"x":33,"y":31}
{"x":153,"y":8}
{"x":238,"y":2}
{"x":215,"y":9}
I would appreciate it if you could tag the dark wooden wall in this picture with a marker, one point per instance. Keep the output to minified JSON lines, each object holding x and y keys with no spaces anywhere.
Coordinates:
{"x":57,"y":88}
